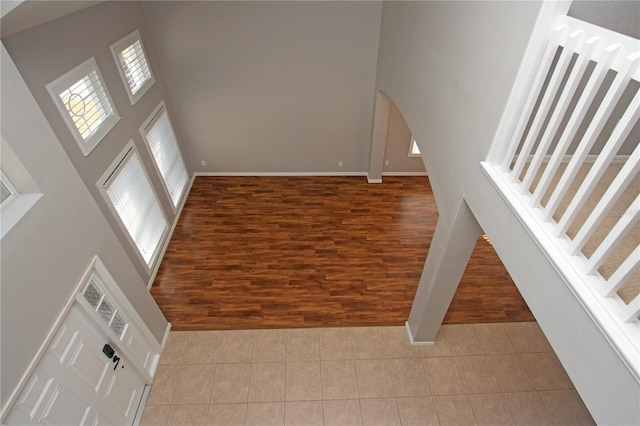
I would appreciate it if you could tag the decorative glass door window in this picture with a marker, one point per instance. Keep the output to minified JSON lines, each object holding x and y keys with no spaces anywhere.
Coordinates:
{"x":104,"y":307}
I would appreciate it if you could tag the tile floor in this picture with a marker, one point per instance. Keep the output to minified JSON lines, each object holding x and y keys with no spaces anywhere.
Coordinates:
{"x":485,"y":374}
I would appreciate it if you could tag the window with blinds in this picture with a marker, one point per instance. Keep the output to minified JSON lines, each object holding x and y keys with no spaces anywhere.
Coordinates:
{"x":85,"y":104}
{"x":127,"y":187}
{"x":161,"y":141}
{"x":133,"y":66}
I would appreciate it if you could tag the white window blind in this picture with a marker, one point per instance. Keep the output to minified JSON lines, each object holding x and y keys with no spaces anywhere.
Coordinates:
{"x":133,"y":65}
{"x":87,"y":104}
{"x":132,"y":196}
{"x":84,"y":102}
{"x":160,"y":137}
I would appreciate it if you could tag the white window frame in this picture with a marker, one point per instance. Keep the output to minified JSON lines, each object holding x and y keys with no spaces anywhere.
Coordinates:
{"x":144,"y":131}
{"x":120,"y":46}
{"x":26,"y":192}
{"x":13,"y":192}
{"x":110,"y":173}
{"x":63,"y":83}
{"x":413,"y":143}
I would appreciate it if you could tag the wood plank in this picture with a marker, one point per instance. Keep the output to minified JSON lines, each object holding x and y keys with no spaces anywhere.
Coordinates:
{"x":271,"y":252}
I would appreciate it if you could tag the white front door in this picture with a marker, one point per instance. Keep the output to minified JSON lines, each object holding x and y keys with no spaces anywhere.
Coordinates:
{"x":76,"y":383}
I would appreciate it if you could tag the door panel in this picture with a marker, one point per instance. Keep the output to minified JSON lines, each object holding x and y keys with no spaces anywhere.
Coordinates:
{"x":124,"y":392}
{"x":90,"y":365}
{"x":62,"y":343}
{"x":33,"y":395}
{"x":64,"y":408}
{"x":139,"y":349}
{"x":85,"y":388}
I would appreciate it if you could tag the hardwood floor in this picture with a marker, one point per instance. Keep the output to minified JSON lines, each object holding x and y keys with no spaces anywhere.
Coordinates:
{"x":262,"y":252}
{"x":486,"y":292}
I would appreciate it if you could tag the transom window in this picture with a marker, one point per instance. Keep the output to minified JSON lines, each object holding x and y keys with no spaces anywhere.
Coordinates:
{"x":133,"y":65}
{"x":128,"y":189}
{"x":83,"y":100}
{"x":161,"y":141}
{"x":104,"y":306}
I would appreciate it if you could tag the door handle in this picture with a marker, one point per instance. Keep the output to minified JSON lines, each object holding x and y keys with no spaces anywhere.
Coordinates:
{"x":108,"y":351}
{"x":111,"y":354}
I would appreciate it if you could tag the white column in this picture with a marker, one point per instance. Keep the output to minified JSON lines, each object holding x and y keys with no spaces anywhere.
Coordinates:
{"x":447,"y":259}
{"x":378,"y":137}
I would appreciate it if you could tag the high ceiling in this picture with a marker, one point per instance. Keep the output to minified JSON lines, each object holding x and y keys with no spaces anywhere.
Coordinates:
{"x":21,"y":15}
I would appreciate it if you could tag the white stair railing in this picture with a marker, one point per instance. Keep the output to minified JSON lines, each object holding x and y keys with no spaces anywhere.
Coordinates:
{"x":571,"y":158}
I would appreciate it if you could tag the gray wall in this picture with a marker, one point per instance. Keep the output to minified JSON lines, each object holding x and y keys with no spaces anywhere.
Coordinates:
{"x":46,"y":254}
{"x":449,"y":66}
{"x":46,"y":52}
{"x":397,"y":146}
{"x":271,"y":86}
{"x":619,"y":16}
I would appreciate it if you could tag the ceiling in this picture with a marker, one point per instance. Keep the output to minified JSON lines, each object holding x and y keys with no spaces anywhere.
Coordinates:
{"x":21,"y":15}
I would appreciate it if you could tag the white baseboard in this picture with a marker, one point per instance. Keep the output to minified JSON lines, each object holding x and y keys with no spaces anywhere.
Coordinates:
{"x":283,"y":174}
{"x":166,"y":336}
{"x":286,"y":174}
{"x":413,"y":342}
{"x":404,"y":173}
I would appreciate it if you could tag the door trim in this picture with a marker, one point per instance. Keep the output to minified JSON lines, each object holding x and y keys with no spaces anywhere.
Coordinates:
{"x":95,"y":266}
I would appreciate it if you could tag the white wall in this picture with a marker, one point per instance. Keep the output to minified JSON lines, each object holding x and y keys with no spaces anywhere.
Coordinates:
{"x":45,"y":255}
{"x":270,"y":86}
{"x":449,"y":66}
{"x":46,"y":52}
